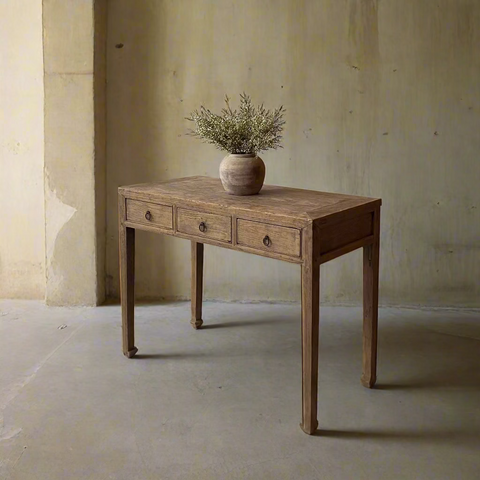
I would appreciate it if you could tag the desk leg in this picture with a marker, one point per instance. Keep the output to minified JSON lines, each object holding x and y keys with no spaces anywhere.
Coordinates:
{"x":127,"y":280}
{"x":371,"y":257}
{"x":197,"y":284}
{"x":310,"y":321}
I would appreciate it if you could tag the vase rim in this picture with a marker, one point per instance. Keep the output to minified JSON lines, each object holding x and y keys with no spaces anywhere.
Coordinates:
{"x":243,"y":154}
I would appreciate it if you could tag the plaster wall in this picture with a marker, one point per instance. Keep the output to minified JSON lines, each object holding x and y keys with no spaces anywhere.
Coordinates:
{"x":382,"y":98}
{"x":22,"y":244}
{"x":74,"y":151}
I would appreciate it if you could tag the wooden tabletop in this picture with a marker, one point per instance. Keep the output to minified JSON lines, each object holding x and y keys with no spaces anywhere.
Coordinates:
{"x":273,"y":200}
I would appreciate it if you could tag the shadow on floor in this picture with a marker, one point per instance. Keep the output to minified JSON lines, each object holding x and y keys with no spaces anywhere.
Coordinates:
{"x":449,"y":381}
{"x":434,"y":354}
{"x":168,"y":356}
{"x":424,"y":353}
{"x":425,"y":435}
{"x":246,"y":323}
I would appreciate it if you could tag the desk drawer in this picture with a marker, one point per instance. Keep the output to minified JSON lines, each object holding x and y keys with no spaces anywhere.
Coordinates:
{"x":269,"y":238}
{"x":208,"y":225}
{"x":149,"y":213}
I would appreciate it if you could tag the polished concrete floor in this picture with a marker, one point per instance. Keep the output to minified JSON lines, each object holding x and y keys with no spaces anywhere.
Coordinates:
{"x":224,"y":402}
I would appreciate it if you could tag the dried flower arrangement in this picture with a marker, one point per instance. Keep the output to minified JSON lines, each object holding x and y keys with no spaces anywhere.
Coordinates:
{"x":250,"y":130}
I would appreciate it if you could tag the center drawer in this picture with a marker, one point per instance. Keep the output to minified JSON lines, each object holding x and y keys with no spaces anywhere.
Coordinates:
{"x":269,"y":238}
{"x":208,"y":225}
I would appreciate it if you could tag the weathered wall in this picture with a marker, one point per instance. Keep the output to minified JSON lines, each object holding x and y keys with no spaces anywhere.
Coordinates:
{"x":22,"y":244}
{"x":383,"y":99}
{"x":74,"y":151}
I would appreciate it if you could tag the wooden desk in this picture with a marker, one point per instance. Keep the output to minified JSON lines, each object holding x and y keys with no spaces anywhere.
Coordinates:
{"x":298,"y":226}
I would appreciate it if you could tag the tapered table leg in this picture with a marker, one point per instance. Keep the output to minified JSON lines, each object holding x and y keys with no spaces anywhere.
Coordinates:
{"x":197,"y":284}
{"x":371,"y":257}
{"x":310,"y":321}
{"x":127,"y":281}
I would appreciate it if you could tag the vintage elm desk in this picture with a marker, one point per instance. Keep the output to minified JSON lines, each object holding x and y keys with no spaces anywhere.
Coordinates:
{"x":298,"y":226}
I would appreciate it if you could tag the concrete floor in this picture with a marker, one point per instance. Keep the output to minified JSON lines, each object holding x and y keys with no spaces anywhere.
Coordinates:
{"x":225,"y":402}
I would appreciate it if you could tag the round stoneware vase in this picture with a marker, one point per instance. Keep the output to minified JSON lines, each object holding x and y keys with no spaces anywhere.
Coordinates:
{"x":242,"y":174}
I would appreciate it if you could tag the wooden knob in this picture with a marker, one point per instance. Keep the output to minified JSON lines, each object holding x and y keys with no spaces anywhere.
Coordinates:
{"x":202,"y":227}
{"x":266,"y":241}
{"x":148,"y":215}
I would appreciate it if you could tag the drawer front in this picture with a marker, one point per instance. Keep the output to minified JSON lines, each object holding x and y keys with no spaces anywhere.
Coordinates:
{"x":149,"y":214}
{"x":269,"y":238}
{"x":208,"y":225}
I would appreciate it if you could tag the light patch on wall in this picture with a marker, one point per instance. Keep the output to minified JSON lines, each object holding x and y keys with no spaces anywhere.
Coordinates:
{"x":57,"y":215}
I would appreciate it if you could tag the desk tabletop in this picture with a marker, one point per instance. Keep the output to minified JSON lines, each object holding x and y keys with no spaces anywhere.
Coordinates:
{"x":272,"y":200}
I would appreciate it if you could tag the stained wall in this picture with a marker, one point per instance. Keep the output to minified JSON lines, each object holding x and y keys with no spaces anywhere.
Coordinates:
{"x":382,"y":98}
{"x":22,"y":239}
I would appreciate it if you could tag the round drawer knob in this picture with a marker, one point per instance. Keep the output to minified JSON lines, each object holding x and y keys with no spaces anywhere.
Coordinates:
{"x":148,"y":215}
{"x":266,"y":241}
{"x":202,"y":227}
